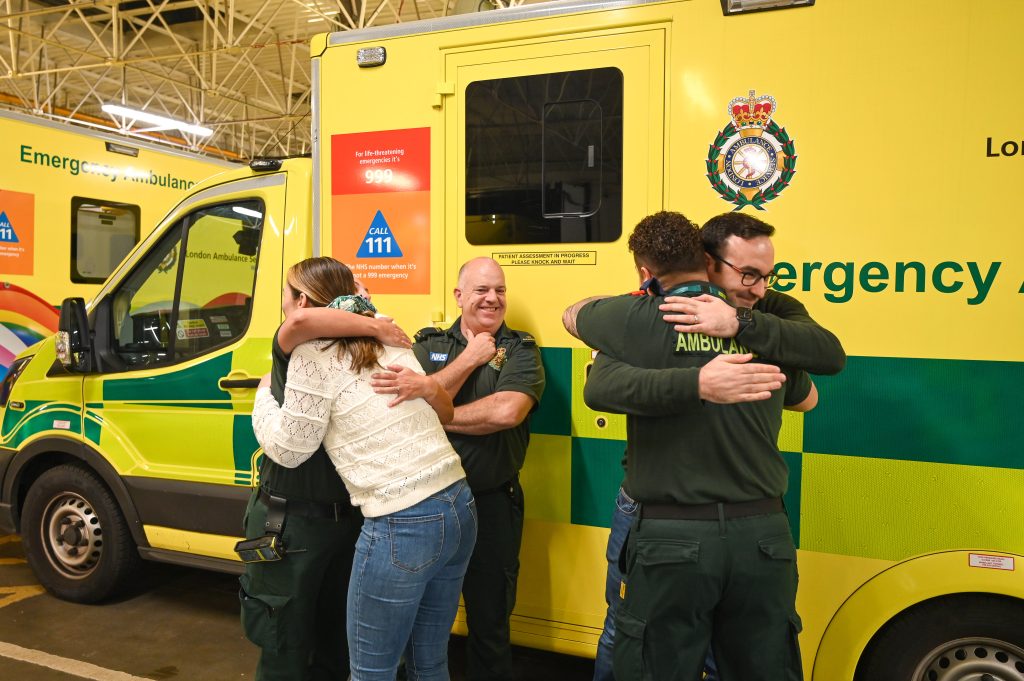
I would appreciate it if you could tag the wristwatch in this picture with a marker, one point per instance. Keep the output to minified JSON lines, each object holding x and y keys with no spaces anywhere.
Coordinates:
{"x":744,"y":315}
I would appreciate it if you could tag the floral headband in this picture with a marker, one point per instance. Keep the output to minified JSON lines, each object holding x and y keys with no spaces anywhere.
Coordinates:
{"x":356,"y":304}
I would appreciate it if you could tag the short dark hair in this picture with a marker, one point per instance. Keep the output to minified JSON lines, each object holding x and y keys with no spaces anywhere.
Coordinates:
{"x":719,"y":228}
{"x":667,"y":242}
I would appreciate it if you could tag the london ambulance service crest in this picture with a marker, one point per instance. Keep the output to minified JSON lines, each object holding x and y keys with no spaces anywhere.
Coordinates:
{"x":752,"y":159}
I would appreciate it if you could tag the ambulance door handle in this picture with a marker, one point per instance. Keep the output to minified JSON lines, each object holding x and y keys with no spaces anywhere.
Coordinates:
{"x":226,"y":383}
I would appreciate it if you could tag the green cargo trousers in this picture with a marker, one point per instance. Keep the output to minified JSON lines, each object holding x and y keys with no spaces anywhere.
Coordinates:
{"x":294,"y":609}
{"x":489,"y":589}
{"x":693,"y":581}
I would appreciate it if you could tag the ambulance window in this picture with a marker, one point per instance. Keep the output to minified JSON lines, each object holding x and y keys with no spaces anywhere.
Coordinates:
{"x":544,"y":158}
{"x":102,"y":233}
{"x":172,"y":309}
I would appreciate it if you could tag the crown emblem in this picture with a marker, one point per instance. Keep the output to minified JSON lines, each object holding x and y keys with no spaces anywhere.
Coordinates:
{"x":752,"y":159}
{"x":750,"y":112}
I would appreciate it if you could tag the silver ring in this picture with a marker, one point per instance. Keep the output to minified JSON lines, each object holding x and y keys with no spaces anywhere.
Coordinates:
{"x":696,"y":319}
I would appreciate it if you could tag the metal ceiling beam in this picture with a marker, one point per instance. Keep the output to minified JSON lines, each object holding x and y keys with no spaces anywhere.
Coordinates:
{"x":213,"y":67}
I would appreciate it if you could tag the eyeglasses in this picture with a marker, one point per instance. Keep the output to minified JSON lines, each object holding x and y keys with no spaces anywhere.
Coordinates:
{"x":750,"y":278}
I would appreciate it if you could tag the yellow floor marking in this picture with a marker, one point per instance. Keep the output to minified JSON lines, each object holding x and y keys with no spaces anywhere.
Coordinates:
{"x":77,"y":668}
{"x":9,"y":595}
{"x":9,"y":538}
{"x":12,"y":561}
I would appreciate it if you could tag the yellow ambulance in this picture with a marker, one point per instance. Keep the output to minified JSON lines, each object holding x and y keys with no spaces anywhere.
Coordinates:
{"x":878,"y":137}
{"x":73,"y":203}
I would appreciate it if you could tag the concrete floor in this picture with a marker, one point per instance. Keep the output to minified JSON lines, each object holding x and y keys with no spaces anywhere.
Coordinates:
{"x":175,"y":623}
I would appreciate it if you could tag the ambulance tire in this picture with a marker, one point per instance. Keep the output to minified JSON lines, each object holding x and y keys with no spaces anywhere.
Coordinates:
{"x":953,"y":638}
{"x":76,"y":539}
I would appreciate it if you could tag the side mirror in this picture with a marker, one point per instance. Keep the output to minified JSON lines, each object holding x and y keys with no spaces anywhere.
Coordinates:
{"x":73,"y":347}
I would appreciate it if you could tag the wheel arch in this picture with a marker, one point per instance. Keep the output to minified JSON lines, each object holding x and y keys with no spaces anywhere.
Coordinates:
{"x":899,"y":588}
{"x":43,"y":454}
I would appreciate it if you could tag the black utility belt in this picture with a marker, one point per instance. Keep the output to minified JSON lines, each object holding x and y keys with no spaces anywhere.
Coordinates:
{"x":310,"y":509}
{"x":508,"y":487}
{"x":270,"y":546}
{"x":712,"y":511}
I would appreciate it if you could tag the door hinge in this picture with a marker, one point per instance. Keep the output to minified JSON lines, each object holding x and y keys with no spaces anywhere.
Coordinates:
{"x":443,"y":90}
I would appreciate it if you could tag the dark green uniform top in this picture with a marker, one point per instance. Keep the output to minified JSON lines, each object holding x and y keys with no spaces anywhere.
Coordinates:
{"x":494,"y":459}
{"x":315,"y":479}
{"x":781,"y":331}
{"x":694,"y":452}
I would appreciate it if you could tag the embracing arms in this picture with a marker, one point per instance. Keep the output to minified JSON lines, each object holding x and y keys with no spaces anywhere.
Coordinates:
{"x":307,"y":323}
{"x":780,"y":330}
{"x":517,"y":390}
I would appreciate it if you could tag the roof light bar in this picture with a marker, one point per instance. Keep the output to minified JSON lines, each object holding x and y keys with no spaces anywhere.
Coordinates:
{"x":261,"y":165}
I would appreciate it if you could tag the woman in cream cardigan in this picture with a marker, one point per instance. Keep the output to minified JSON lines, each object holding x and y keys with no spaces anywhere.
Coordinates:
{"x":393,"y":456}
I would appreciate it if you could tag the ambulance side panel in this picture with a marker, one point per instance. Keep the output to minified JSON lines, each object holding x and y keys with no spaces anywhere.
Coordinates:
{"x":895,"y":227}
{"x":73,"y":203}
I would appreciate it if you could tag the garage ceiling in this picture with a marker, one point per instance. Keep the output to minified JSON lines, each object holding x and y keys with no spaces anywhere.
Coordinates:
{"x":239,"y":67}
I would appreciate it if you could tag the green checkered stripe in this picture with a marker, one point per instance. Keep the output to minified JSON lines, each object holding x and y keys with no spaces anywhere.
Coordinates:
{"x":901,"y":457}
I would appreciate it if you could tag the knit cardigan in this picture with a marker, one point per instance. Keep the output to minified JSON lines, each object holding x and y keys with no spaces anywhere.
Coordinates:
{"x":389,"y":458}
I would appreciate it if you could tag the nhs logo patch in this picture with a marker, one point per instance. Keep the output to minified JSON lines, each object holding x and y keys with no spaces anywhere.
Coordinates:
{"x":439,"y":357}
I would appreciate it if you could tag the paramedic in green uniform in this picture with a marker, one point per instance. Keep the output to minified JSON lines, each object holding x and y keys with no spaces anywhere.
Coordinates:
{"x":294,"y":608}
{"x":496,"y":380}
{"x":711,"y":551}
{"x":778,"y":328}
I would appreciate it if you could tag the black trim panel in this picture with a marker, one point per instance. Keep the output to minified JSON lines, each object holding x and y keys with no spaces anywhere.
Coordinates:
{"x":6,"y":457}
{"x":191,"y":506}
{"x":231,"y":567}
{"x":7,"y":525}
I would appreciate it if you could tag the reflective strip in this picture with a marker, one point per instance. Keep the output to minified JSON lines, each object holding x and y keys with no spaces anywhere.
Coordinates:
{"x":314,"y":102}
{"x":498,"y":16}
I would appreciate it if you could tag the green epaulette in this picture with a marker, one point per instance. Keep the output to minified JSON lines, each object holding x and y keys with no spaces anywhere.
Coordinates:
{"x":427,"y":332}
{"x":526,"y":338}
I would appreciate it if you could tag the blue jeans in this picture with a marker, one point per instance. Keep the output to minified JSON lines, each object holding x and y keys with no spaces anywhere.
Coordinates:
{"x":405,"y":585}
{"x":622,"y":520}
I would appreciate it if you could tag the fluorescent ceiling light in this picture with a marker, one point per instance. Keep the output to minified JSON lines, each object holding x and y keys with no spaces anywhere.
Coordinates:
{"x":159,"y":121}
{"x":242,"y":210}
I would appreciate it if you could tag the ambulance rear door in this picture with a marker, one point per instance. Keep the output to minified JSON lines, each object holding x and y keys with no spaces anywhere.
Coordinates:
{"x":554,"y":151}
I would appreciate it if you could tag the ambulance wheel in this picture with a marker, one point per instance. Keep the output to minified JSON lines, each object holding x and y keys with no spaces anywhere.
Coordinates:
{"x":76,"y":540}
{"x":963,"y":637}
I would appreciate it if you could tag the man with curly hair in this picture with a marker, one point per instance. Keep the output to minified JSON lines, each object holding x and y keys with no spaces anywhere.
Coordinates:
{"x":697,"y":454}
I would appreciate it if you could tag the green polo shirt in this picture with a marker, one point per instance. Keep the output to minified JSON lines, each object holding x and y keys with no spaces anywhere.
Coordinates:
{"x":315,"y":479}
{"x":705,"y":452}
{"x":494,"y":459}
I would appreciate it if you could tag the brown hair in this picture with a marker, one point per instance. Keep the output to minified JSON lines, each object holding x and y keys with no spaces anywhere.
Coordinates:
{"x":322,"y":280}
{"x":718,"y":229}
